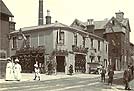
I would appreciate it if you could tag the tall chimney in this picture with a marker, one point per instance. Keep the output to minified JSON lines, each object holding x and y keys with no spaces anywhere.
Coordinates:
{"x":48,"y":17}
{"x":40,"y":17}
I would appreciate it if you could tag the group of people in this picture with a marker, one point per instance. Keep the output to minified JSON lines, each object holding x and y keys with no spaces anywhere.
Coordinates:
{"x":13,"y":70}
{"x":127,"y":76}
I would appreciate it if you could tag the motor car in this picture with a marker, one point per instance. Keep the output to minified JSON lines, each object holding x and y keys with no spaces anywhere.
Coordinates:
{"x":94,"y":68}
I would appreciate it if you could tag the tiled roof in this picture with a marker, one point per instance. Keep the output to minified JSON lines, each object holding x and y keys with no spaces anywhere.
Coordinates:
{"x":98,"y":24}
{"x":4,"y":9}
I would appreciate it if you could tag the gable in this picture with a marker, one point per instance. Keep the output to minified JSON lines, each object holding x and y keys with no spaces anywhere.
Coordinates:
{"x":4,"y":9}
{"x":78,"y":24}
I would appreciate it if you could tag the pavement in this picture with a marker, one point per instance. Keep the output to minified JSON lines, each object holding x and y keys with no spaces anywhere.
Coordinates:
{"x":28,"y":77}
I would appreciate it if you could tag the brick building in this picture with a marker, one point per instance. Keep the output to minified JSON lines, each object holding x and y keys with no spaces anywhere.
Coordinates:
{"x":117,"y":32}
{"x":5,"y":27}
{"x":132,"y":53}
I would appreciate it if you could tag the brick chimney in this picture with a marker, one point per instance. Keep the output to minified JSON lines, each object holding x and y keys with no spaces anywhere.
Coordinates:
{"x":48,"y":17}
{"x":40,"y":17}
{"x":90,"y":26}
{"x":119,"y":16}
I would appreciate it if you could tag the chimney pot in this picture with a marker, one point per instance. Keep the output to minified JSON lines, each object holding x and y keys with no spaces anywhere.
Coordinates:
{"x":48,"y":17}
{"x":119,"y":16}
{"x":48,"y":12}
{"x":90,"y":21}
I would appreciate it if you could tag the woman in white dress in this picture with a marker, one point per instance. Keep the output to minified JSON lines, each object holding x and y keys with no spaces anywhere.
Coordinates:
{"x":17,"y":70}
{"x":9,"y":70}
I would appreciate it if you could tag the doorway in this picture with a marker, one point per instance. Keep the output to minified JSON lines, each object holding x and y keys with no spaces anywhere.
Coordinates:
{"x":60,"y":63}
{"x":80,"y":62}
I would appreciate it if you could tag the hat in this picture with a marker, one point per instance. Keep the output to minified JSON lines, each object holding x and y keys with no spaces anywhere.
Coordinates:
{"x":9,"y":58}
{"x":35,"y":65}
{"x":16,"y":60}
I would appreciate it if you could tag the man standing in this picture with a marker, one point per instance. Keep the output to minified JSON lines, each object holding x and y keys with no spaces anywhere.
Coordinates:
{"x":37,"y":71}
{"x":127,"y":78}
{"x":17,"y":70}
{"x":110,"y":75}
{"x":9,"y":70}
{"x":103,"y":72}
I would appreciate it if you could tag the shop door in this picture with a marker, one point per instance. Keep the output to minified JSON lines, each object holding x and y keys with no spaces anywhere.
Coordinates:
{"x":60,"y":63}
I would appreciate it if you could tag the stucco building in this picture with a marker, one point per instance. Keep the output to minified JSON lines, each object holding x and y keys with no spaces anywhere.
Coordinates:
{"x":61,"y":44}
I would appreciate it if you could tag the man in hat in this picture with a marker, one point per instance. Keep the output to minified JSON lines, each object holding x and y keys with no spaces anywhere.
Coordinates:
{"x":17,"y":70}
{"x":127,"y":78}
{"x":9,"y":70}
{"x":110,"y":75}
{"x":103,"y":72}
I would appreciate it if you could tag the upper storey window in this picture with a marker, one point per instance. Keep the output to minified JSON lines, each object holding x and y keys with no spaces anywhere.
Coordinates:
{"x":75,"y":39}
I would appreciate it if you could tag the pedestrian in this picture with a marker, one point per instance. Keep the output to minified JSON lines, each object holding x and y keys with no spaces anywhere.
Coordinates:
{"x":127,"y":78}
{"x":37,"y":71}
{"x":71,"y":69}
{"x":103,"y":72}
{"x":110,"y":75}
{"x":17,"y":70}
{"x":9,"y":70}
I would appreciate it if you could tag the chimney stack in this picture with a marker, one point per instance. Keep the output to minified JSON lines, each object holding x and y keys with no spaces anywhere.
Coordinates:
{"x":40,"y":17}
{"x":90,"y":26}
{"x":48,"y":17}
{"x":119,"y":16}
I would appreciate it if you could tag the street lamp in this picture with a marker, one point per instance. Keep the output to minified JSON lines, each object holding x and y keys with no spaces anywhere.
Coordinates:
{"x":20,"y":37}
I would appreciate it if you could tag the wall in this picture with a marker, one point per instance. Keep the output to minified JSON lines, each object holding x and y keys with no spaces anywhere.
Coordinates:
{"x":4,"y":30}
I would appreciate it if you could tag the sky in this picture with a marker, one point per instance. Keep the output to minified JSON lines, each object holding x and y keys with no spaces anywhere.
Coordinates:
{"x":65,"y":11}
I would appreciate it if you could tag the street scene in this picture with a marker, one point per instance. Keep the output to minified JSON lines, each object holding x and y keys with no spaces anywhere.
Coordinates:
{"x":78,"y":82}
{"x":91,"y":55}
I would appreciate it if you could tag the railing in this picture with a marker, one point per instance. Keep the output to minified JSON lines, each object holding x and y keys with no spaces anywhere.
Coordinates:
{"x":60,"y":50}
{"x":60,"y":46}
{"x":79,"y":49}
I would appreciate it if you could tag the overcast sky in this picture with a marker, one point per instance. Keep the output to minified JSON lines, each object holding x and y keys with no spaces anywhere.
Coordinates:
{"x":65,"y":11}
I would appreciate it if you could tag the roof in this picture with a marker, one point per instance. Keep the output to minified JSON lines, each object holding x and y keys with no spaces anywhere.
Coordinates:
{"x":52,"y":25}
{"x":55,"y":25}
{"x":4,"y":9}
{"x":98,"y":24}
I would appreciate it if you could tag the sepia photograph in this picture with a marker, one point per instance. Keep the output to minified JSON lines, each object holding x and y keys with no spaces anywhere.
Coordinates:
{"x":66,"y":45}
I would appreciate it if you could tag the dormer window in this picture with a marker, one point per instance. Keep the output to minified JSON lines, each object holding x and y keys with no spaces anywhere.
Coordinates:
{"x":14,"y":46}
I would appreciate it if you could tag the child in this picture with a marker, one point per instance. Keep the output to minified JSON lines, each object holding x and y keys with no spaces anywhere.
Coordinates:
{"x":37,"y":71}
